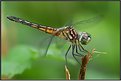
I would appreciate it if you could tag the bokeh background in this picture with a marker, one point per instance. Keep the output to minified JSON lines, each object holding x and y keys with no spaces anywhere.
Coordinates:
{"x":21,"y":45}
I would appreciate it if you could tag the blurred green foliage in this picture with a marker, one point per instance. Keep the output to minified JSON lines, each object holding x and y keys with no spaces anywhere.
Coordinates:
{"x":23,"y":60}
{"x":17,"y":60}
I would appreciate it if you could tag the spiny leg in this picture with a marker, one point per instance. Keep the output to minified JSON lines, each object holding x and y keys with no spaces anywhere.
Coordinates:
{"x":81,"y":47}
{"x":67,"y":53}
{"x":73,"y":48}
{"x":78,"y":54}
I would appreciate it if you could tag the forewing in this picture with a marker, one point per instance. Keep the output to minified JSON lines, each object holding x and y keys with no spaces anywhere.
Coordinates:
{"x":86,"y":23}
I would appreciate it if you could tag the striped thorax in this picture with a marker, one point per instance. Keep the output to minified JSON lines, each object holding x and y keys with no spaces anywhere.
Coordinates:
{"x":70,"y":34}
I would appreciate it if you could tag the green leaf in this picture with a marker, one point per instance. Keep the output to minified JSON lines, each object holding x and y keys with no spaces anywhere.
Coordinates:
{"x":18,"y":59}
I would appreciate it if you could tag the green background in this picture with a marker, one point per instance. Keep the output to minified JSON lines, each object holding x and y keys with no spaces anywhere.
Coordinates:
{"x":21,"y":57}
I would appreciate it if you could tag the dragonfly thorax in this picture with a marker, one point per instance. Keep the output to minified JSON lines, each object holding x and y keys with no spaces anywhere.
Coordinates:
{"x":84,"y":38}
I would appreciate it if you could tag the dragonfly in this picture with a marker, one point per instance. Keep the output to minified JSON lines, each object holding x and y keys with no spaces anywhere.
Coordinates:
{"x":68,"y":33}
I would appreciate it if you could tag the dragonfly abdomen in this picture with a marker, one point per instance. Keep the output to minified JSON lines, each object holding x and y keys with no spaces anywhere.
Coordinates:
{"x":46,"y":29}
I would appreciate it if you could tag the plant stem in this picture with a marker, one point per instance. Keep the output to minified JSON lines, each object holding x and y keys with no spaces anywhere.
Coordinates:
{"x":67,"y":73}
{"x":83,"y":67}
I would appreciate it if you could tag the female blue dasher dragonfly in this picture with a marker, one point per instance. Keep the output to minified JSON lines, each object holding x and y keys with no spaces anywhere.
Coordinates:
{"x":67,"y":33}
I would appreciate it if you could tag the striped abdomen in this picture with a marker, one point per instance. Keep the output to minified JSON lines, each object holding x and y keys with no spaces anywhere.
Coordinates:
{"x":46,"y":29}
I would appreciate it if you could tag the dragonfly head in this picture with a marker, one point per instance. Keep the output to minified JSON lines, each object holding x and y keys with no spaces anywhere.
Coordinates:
{"x":84,"y":38}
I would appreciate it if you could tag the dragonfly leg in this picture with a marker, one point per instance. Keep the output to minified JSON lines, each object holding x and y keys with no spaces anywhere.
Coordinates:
{"x":79,"y":54}
{"x":49,"y":45}
{"x":73,"y":48}
{"x":67,"y":53}
{"x":81,"y":47}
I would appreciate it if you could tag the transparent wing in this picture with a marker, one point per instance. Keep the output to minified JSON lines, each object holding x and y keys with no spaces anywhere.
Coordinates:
{"x":55,"y":47}
{"x":47,"y":44}
{"x":89,"y":20}
{"x":86,"y":23}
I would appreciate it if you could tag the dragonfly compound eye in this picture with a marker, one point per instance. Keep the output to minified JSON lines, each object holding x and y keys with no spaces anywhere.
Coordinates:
{"x":84,"y":38}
